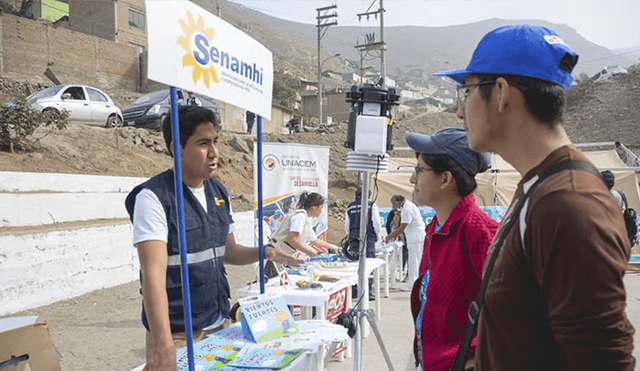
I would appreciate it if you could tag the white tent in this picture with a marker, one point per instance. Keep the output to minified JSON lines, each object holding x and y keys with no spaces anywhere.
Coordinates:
{"x":496,"y":186}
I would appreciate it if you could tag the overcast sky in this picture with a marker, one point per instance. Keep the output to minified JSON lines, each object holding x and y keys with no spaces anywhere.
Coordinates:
{"x":609,"y":23}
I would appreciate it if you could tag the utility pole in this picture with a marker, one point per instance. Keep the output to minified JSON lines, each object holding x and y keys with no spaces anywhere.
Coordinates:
{"x":371,"y":44}
{"x":384,"y":47}
{"x":325,"y":21}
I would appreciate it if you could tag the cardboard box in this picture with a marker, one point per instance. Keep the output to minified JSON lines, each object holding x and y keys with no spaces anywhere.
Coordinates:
{"x":26,"y":345}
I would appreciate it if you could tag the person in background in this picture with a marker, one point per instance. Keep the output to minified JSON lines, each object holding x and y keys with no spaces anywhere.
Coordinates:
{"x":294,"y":125}
{"x":555,"y":298}
{"x":295,"y":233}
{"x":210,"y":242}
{"x":193,"y":100}
{"x":250,"y":118}
{"x":610,"y":181}
{"x":352,"y":227}
{"x":412,"y":225}
{"x":393,"y":222}
{"x":456,"y":245}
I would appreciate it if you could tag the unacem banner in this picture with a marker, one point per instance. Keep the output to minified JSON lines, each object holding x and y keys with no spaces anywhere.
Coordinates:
{"x":193,"y":49}
{"x":288,"y":169}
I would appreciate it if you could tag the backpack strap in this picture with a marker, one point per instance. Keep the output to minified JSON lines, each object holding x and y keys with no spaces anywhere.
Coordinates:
{"x":624,"y":199}
{"x":476,"y":306}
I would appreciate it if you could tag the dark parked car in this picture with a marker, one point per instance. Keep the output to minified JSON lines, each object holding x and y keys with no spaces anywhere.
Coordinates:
{"x":149,"y":110}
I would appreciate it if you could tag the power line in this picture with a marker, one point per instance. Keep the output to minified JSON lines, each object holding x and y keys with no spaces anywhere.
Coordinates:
{"x":609,"y":57}
{"x":273,"y":13}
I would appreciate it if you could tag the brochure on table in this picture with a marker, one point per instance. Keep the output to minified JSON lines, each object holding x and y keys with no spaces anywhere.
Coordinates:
{"x":267,"y":359}
{"x":266,"y":317}
{"x":229,"y":350}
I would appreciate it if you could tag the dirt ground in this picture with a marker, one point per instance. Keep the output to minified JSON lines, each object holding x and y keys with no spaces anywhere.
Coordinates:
{"x":102,"y":331}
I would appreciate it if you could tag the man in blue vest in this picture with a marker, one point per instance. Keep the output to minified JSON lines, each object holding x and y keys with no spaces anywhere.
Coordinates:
{"x":209,"y":238}
{"x":250,"y":118}
{"x":352,"y":226}
{"x":193,"y":100}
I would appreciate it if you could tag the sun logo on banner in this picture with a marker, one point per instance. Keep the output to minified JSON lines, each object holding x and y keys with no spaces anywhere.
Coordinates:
{"x":192,"y":28}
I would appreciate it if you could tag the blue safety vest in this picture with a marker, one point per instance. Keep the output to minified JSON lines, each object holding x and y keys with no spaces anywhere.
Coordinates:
{"x":206,"y":236}
{"x":353,"y":211}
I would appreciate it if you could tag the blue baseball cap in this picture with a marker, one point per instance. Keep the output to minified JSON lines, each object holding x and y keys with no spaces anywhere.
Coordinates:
{"x":524,"y":50}
{"x":452,"y":142}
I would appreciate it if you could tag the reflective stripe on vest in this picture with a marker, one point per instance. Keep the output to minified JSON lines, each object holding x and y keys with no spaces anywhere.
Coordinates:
{"x":198,"y":257}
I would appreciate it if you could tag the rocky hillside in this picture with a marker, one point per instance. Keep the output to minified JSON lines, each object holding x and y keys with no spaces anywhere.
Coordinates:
{"x":606,"y":110}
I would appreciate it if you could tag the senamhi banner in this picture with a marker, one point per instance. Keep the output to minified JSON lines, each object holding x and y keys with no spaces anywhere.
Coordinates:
{"x":193,"y":49}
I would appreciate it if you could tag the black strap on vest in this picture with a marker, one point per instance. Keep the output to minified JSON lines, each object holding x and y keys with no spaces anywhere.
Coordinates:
{"x":476,"y":306}
{"x":624,"y":199}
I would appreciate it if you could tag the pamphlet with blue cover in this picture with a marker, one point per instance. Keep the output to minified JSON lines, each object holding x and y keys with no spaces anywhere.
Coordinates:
{"x":212,"y":353}
{"x":266,"y":317}
{"x":269,"y":359}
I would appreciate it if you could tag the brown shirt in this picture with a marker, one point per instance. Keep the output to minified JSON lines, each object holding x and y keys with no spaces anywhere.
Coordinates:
{"x":558,"y":303}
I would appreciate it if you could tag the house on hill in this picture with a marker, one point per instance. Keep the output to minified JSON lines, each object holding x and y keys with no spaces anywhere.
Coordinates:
{"x":334,"y":104}
{"x":52,"y":10}
{"x":122,"y":21}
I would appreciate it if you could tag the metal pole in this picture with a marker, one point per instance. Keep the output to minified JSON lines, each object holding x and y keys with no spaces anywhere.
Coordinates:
{"x":260,"y":211}
{"x":361,"y":68}
{"x":322,"y":18}
{"x":362,"y":261}
{"x":383,"y":48}
{"x":182,"y":238}
{"x":374,"y":325}
{"x":319,"y":79}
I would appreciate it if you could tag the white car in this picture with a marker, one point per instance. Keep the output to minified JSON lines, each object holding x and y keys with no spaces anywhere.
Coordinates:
{"x":86,"y":105}
{"x":608,"y":72}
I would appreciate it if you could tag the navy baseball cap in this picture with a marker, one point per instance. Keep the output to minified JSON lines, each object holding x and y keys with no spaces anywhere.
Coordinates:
{"x":524,"y":50}
{"x":452,"y":142}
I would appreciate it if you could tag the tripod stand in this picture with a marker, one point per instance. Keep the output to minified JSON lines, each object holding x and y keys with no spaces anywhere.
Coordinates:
{"x":360,"y":313}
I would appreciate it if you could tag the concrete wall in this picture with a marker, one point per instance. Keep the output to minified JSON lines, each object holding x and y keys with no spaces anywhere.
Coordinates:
{"x":93,"y":18}
{"x":233,"y":119}
{"x":42,"y":268}
{"x":334,"y":104}
{"x":29,"y":47}
{"x":64,"y":235}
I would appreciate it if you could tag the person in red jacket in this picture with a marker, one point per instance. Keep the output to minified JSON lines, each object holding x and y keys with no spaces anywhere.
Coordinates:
{"x":455,"y":246}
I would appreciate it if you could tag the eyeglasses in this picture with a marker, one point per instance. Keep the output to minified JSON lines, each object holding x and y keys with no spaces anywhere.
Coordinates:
{"x":418,"y":169}
{"x":463,"y":91}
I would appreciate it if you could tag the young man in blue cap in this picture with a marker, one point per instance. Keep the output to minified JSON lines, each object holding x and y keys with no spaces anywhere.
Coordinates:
{"x":455,"y":247}
{"x":555,"y":298}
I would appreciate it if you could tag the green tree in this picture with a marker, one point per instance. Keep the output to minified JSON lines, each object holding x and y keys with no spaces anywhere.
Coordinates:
{"x":18,"y":121}
{"x":285,"y":89}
